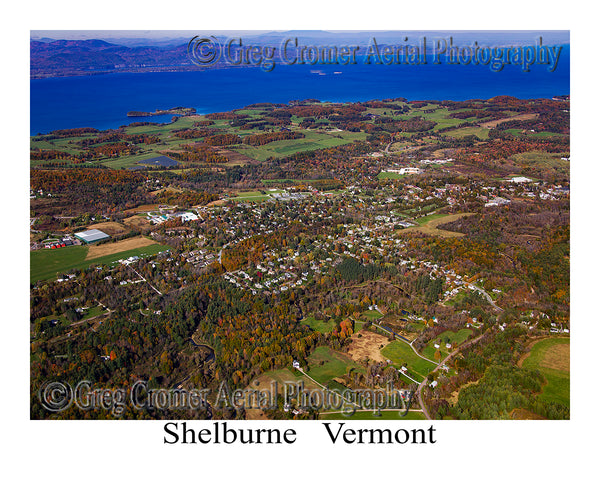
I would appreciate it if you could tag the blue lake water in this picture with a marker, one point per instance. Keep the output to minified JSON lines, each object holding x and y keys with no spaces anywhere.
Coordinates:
{"x":102,"y":101}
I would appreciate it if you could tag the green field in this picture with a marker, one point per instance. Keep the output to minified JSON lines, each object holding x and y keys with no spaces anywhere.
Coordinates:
{"x":440,"y":116}
{"x":335,"y":364}
{"x":401,"y":352}
{"x":372,"y":315}
{"x":312,"y":141}
{"x":46,"y":263}
{"x":428,"y":218}
{"x":255,"y":196}
{"x":558,"y":387}
{"x":318,"y":325}
{"x":385,"y":415}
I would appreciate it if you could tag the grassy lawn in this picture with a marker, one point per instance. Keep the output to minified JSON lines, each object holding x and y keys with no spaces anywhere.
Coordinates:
{"x":93,"y":312}
{"x":318,"y":325}
{"x":372,"y":315}
{"x":400,"y":352}
{"x":46,"y":263}
{"x":551,"y":357}
{"x":334,"y":364}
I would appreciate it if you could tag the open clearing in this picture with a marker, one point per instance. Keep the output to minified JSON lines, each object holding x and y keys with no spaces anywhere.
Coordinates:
{"x":326,"y":364}
{"x":366,"y":345}
{"x":137,"y":223}
{"x":551,"y":356}
{"x":431,"y":227}
{"x":323,"y":326}
{"x":97,"y":251}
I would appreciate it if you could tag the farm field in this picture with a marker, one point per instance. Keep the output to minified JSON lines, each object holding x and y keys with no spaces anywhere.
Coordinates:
{"x":46,"y":263}
{"x":430,"y":226}
{"x":551,"y":357}
{"x":97,"y":251}
{"x":334,"y":364}
{"x":428,"y":218}
{"x":311,"y":141}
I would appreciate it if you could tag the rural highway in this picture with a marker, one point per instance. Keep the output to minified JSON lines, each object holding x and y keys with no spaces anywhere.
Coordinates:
{"x":443,"y":362}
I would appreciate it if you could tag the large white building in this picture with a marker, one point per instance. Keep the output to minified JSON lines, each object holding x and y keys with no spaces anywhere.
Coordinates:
{"x":93,"y":235}
{"x":520,"y":180}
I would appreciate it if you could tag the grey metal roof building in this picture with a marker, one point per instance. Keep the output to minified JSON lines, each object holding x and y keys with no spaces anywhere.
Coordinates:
{"x":90,"y":236}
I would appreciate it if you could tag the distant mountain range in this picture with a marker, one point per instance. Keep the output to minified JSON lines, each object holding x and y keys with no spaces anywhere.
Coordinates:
{"x":85,"y":57}
{"x":52,"y":58}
